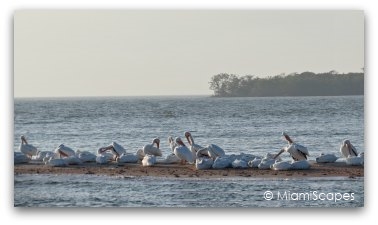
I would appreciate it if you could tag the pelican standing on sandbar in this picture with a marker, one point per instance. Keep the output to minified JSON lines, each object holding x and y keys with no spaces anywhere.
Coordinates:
{"x":347,"y":149}
{"x":296,"y":151}
{"x":183,"y":152}
{"x":28,"y":149}
{"x":194,"y":148}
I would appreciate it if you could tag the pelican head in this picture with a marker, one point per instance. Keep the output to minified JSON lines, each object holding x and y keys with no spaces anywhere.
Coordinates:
{"x":188,"y":136}
{"x":179,"y":141}
{"x":352,"y":150}
{"x":346,"y":143}
{"x":287,"y":137}
{"x":170,"y":139}
{"x":279,"y":153}
{"x":23,"y":139}
{"x":104,"y":149}
{"x":156,"y":141}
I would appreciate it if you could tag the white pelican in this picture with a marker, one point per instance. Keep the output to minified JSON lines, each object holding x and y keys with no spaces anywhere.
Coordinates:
{"x":183,"y":152}
{"x":56,"y":162}
{"x":204,"y":163}
{"x":265,"y":163}
{"x":150,"y":149}
{"x":347,"y":149}
{"x":140,"y":154}
{"x":194,"y":148}
{"x":85,"y":156}
{"x":354,"y":160}
{"x":296,"y":151}
{"x":114,"y":148}
{"x":28,"y":149}
{"x":149,"y":160}
{"x":171,"y":158}
{"x":212,"y":151}
{"x":215,"y":151}
{"x":43,"y":154}
{"x":127,"y":158}
{"x":239,"y":164}
{"x":172,"y":143}
{"x":326,"y":158}
{"x":103,"y":158}
{"x":222,"y":162}
{"x":254,"y":163}
{"x":300,"y":165}
{"x":283,"y":165}
{"x":20,"y":158}
{"x":64,"y":151}
{"x":73,"y":160}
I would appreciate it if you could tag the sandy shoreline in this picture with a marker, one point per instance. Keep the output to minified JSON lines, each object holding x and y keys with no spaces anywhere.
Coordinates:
{"x":176,"y":170}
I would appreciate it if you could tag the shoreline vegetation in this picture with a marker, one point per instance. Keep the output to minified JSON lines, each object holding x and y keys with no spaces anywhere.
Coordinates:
{"x":295,"y":84}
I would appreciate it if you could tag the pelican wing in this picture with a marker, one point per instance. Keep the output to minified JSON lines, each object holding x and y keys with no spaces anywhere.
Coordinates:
{"x":352,"y":150}
{"x":281,"y":166}
{"x":202,"y":152}
{"x":118,"y":148}
{"x":303,"y":150}
{"x":215,"y":151}
{"x":28,"y":149}
{"x":184,"y":153}
{"x":65,"y":151}
{"x":151,"y":150}
{"x":197,"y":147}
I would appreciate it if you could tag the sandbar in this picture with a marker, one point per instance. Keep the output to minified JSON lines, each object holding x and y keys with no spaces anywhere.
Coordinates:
{"x":336,"y":169}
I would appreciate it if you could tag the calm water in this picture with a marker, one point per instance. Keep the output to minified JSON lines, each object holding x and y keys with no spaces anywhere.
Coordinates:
{"x":250,"y":125}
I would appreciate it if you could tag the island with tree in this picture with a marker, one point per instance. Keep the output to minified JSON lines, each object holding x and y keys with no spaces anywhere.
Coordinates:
{"x":295,"y":84}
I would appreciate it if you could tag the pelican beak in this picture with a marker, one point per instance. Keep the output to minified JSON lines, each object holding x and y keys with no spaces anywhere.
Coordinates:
{"x":103,"y":149}
{"x":23,"y":139}
{"x":187,"y":138}
{"x":158,"y":144}
{"x":287,"y":138}
{"x":279,"y":153}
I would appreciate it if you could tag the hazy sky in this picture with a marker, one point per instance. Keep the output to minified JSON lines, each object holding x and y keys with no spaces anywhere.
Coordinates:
{"x":174,"y":52}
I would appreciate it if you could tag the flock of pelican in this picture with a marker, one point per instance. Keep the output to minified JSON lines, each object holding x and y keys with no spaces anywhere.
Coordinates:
{"x":211,"y":156}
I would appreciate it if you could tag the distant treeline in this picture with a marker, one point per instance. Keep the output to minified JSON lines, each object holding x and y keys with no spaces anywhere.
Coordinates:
{"x":303,"y":84}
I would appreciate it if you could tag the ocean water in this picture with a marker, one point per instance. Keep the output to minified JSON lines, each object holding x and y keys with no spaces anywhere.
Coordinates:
{"x":249,"y":125}
{"x":85,"y":191}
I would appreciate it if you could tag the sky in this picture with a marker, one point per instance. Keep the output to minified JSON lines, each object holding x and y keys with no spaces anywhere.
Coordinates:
{"x":61,"y":53}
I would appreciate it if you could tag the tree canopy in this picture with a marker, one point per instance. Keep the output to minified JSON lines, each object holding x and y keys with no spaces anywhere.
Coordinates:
{"x":303,"y":84}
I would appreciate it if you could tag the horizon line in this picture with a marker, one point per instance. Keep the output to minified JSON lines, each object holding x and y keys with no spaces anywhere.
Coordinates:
{"x":112,"y":96}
